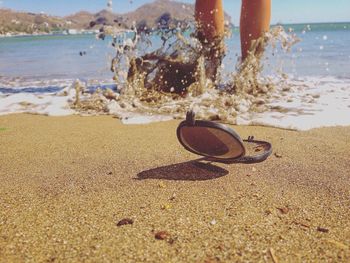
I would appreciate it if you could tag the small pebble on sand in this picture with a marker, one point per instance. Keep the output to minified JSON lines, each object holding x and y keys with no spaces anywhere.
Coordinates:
{"x":173,"y":197}
{"x":278,"y":155}
{"x":125,"y":221}
{"x":161,"y":185}
{"x":166,"y":206}
{"x":162,"y":235}
{"x":283,"y":210}
{"x":322,"y":229}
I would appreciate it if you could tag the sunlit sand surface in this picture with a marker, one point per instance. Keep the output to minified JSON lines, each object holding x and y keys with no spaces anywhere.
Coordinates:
{"x":66,"y":183}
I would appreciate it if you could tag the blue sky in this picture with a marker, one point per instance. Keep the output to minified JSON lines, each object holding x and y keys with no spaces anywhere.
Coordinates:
{"x":285,"y":11}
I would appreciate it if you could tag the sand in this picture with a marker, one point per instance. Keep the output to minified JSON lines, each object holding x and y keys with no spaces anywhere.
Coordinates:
{"x":66,"y":182}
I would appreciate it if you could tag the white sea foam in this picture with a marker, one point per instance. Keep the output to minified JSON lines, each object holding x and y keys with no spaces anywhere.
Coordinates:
{"x":310,"y":102}
{"x":51,"y":104}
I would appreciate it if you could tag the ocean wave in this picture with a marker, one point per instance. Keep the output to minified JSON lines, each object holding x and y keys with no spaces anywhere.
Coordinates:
{"x":306,"y":103}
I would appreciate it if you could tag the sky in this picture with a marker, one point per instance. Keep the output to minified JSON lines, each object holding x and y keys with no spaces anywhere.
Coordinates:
{"x":283,"y":11}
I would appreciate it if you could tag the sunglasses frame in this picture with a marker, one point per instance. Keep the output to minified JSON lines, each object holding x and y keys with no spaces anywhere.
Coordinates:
{"x":192,"y":122}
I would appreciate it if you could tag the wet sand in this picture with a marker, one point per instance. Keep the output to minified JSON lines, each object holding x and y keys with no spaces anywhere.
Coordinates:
{"x":66,"y":182}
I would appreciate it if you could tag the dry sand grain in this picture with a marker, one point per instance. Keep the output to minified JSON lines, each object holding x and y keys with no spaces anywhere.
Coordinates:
{"x":66,"y":182}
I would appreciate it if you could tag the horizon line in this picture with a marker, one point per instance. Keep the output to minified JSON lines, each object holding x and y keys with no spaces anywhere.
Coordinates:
{"x":104,"y":9}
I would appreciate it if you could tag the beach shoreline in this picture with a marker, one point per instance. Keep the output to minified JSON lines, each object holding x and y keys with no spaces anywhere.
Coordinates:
{"x":72,"y":32}
{"x":66,"y":182}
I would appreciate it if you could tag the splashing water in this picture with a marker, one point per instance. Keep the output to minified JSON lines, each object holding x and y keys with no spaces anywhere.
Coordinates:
{"x":110,"y":5}
{"x":172,"y":79}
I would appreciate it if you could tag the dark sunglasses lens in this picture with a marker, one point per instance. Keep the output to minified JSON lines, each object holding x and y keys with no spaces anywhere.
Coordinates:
{"x":211,"y":142}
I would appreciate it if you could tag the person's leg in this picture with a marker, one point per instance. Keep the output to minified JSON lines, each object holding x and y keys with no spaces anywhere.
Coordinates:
{"x":210,"y":21}
{"x":255,"y":21}
{"x":210,"y":18}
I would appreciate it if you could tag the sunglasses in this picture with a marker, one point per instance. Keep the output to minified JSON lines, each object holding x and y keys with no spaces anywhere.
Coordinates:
{"x":220,"y":143}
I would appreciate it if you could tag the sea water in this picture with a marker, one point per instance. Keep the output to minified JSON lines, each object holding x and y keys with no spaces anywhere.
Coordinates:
{"x":35,"y":69}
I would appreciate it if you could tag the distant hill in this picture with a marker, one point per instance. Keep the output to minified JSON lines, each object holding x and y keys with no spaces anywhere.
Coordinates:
{"x":12,"y":21}
{"x":83,"y":19}
{"x":80,"y":20}
{"x":150,"y":12}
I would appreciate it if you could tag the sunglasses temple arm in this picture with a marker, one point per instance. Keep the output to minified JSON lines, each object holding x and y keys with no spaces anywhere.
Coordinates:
{"x":253,"y":159}
{"x":257,"y":158}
